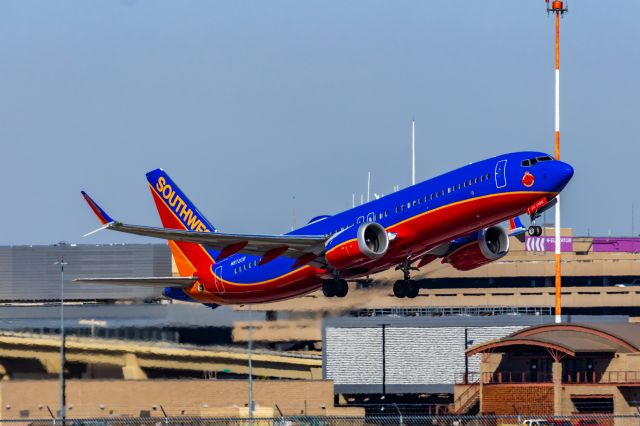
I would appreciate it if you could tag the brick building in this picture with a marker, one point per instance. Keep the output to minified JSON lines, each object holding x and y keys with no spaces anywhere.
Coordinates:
{"x":557,"y":369}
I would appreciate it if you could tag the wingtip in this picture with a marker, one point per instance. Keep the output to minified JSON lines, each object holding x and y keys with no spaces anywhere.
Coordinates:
{"x":102,"y":216}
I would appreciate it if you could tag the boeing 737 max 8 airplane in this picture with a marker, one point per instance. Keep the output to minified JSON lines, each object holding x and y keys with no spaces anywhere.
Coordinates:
{"x":452,"y":217}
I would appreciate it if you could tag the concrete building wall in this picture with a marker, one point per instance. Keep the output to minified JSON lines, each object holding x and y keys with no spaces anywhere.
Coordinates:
{"x":93,"y":398}
{"x":415,"y":356}
{"x":29,"y":273}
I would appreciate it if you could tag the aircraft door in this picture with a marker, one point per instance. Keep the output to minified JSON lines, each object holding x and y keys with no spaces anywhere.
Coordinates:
{"x":371,"y":217}
{"x":500,"y":174}
{"x":360,"y":220}
{"x":218,"y":280}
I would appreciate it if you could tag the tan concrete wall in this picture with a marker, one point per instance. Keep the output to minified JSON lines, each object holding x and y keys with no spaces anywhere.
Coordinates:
{"x":278,"y":331}
{"x":625,"y":400}
{"x":178,"y":397}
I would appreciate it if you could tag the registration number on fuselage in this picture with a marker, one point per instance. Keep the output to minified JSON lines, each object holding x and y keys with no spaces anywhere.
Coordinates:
{"x":235,"y":262}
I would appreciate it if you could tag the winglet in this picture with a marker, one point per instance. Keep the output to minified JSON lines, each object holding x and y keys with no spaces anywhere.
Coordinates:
{"x":103,"y":217}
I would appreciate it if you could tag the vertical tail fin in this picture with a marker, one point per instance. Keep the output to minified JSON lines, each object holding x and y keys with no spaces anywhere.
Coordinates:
{"x":178,"y":212}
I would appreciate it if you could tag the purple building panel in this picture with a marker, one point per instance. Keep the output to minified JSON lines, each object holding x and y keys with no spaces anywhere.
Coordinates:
{"x":625,"y":245}
{"x":547,"y":243}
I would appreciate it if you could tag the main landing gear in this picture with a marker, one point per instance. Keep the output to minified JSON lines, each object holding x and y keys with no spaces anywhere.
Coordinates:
{"x":406,"y":287}
{"x":335,"y":287}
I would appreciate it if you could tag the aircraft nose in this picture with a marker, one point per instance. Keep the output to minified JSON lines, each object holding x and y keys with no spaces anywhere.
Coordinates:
{"x":565,"y":173}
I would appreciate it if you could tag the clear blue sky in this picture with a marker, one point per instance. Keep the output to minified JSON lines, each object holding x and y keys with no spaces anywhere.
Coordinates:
{"x":250,"y":103}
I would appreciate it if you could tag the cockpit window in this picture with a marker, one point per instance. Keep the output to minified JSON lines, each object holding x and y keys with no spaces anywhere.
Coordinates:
{"x":531,"y":161}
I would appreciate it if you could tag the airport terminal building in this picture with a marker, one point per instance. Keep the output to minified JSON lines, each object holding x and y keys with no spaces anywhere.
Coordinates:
{"x":377,"y":351}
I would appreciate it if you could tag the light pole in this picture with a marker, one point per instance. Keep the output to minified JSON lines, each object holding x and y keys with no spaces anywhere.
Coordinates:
{"x":558,"y":8}
{"x":250,"y":365}
{"x":63,"y":395}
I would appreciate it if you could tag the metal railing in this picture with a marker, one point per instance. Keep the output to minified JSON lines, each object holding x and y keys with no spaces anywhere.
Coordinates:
{"x":603,"y":377}
{"x":508,"y":377}
{"x":466,"y":400}
{"x":436,"y":311}
{"x":521,"y":420}
{"x":465,"y":378}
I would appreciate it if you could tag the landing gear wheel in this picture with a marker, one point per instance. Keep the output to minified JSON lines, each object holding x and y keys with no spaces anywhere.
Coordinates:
{"x":329,"y":288}
{"x":342,"y":288}
{"x":412,"y":289}
{"x":400,"y":289}
{"x":534,"y":231}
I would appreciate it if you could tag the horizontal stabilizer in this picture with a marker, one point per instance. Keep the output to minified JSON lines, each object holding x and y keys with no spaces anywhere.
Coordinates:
{"x":517,"y":229}
{"x":161,"y":282}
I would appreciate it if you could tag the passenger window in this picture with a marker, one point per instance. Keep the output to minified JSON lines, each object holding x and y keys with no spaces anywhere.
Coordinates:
{"x":414,"y":203}
{"x":431,"y":196}
{"x":408,"y":205}
{"x":469,"y":182}
{"x":402,"y":208}
{"x":488,"y":176}
{"x":464,"y":184}
{"x":443,"y":192}
{"x":475,"y":180}
{"x":380,"y":216}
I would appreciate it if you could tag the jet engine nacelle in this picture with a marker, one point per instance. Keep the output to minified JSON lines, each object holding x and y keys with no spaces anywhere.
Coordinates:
{"x":489,"y":245}
{"x":357,"y":245}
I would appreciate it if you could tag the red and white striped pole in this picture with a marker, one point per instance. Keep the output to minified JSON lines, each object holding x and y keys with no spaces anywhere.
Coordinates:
{"x":557,"y":8}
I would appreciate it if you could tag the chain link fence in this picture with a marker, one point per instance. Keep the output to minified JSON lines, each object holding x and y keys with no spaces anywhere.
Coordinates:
{"x":583,"y":420}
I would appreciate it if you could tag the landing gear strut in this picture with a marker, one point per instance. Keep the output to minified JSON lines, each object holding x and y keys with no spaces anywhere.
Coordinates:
{"x":335,"y":287}
{"x":406,"y":287}
{"x":534,"y":230}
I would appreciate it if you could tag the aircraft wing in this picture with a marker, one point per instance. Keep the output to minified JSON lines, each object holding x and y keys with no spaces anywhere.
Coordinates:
{"x":178,"y":282}
{"x":228,"y":244}
{"x":304,"y":248}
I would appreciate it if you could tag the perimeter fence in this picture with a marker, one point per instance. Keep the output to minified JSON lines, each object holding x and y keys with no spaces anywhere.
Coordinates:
{"x":530,"y":420}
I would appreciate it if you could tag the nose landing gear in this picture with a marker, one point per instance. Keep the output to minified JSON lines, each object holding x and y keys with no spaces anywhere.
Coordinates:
{"x":534,"y":231}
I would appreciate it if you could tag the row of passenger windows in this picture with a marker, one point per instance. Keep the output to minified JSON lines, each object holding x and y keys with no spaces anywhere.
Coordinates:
{"x":419,"y":201}
{"x":381,"y":215}
{"x":245,"y":266}
{"x":531,"y":161}
{"x":442,"y":193}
